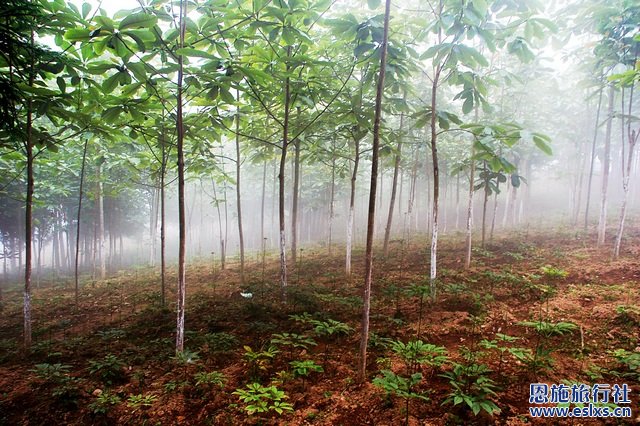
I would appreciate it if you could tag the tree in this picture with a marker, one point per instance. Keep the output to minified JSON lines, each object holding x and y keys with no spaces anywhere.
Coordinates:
{"x":366,"y":296}
{"x":26,"y":100}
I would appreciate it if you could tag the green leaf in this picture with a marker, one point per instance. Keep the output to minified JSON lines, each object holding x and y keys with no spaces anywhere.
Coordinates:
{"x":467,"y":106}
{"x":195,"y":53}
{"x":373,"y":4}
{"x":111,"y":114}
{"x":289,"y":36}
{"x":362,"y":48}
{"x":137,"y":69}
{"x":86,"y":9}
{"x":110,"y":83}
{"x":541,"y":143}
{"x":100,"y":68}
{"x":62,"y":85}
{"x":138,"y":20}
{"x":77,"y":34}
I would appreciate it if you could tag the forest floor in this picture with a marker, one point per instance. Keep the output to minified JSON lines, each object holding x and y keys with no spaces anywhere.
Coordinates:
{"x":534,"y":307}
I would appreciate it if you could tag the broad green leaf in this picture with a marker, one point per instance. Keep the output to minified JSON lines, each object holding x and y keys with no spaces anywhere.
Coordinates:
{"x":373,"y":4}
{"x":541,"y":143}
{"x":86,"y":9}
{"x":111,"y":114}
{"x":78,"y":34}
{"x":289,"y":36}
{"x":138,"y":20}
{"x":187,"y":51}
{"x":100,"y":68}
{"x":110,"y":83}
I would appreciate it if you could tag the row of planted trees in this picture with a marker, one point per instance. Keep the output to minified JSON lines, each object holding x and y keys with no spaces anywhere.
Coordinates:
{"x":147,"y":97}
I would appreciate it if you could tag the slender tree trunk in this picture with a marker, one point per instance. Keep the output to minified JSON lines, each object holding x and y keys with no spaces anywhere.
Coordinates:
{"x":153,"y":225}
{"x":493,"y":217}
{"x":366,"y":296}
{"x":332,"y":195}
{"x":632,"y":136}
{"x":55,"y":246}
{"x":281,"y":189}
{"x":514,"y":206}
{"x":457,"y":226}
{"x":77,"y":261}
{"x":394,"y":186}
{"x":262,"y":206}
{"x":352,"y":202}
{"x":485,"y":201}
{"x":593,"y":158}
{"x":100,"y":242}
{"x":505,"y":212}
{"x":602,"y":222}
{"x":28,"y":223}
{"x":217,"y":202}
{"x":472,"y":170}
{"x":445,"y":197}
{"x":581,"y":166}
{"x":224,"y":238}
{"x":28,"y":226}
{"x":294,"y":207}
{"x":39,"y":265}
{"x":163,"y":219}
{"x":436,"y":183}
{"x":238,"y":196}
{"x":181,"y":212}
{"x":412,"y":189}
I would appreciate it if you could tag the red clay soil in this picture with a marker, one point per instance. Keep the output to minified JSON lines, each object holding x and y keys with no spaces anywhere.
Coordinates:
{"x":554,"y":278}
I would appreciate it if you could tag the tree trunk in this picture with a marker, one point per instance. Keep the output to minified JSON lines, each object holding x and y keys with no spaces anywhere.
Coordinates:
{"x":163,"y":219}
{"x":153,"y":225}
{"x":238,"y":196}
{"x":28,"y":222}
{"x":485,"y":201}
{"x":262,"y":206}
{"x":100,"y":242}
{"x":495,"y":213}
{"x":632,"y":136}
{"x":394,"y":185}
{"x":352,"y":202}
{"x":281,"y":189}
{"x":602,"y":222}
{"x":332,"y":196}
{"x":77,"y":260}
{"x":593,"y":158}
{"x":472,"y":169}
{"x":436,"y":184}
{"x":55,"y":246}
{"x":294,"y":207}
{"x":412,"y":189}
{"x":181,"y":212}
{"x":366,"y":296}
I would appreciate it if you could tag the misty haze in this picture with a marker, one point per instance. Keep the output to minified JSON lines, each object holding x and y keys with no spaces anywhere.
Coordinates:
{"x":316,"y":212}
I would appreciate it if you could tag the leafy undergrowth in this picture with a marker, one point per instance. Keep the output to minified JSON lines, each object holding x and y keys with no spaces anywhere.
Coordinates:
{"x":533,"y":308}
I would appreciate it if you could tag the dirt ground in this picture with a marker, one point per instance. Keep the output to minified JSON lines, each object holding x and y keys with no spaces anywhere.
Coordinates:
{"x":111,"y":359}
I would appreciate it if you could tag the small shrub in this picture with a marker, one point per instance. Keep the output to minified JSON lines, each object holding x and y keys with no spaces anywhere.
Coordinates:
{"x":210,"y":379}
{"x":220,"y":342}
{"x":108,"y":369}
{"x":472,"y":387}
{"x":140,"y":400}
{"x":103,"y":403}
{"x":402,"y":387}
{"x":553,"y":272}
{"x":304,"y":368}
{"x":418,"y":352}
{"x":261,"y":399}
